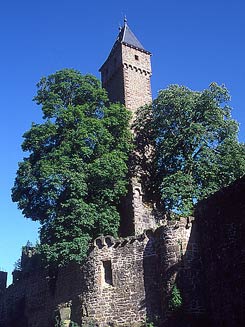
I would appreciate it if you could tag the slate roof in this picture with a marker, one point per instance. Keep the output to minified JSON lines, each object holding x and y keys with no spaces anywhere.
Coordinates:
{"x":126,"y":36}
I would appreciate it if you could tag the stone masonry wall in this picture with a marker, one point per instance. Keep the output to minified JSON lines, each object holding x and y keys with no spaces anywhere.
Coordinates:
{"x":126,"y":77}
{"x":112,"y":76}
{"x":143,"y":213}
{"x":118,"y":284}
{"x":137,"y":86}
{"x":129,"y":294}
{"x":137,"y":73}
{"x":126,"y":281}
{"x":3,"y":281}
{"x":221,"y":221}
{"x":181,"y":265}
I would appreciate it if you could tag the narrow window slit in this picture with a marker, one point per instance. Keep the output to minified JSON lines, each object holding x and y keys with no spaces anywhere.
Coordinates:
{"x":107,"y":272}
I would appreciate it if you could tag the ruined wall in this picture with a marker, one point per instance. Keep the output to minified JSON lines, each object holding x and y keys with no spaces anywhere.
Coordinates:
{"x":221,"y":220}
{"x":181,"y":265}
{"x":126,"y":274}
{"x":117,"y":284}
{"x":125,"y":281}
{"x":24,"y":303}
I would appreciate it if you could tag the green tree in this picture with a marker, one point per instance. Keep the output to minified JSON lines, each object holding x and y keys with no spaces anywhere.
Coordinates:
{"x":196,"y":150}
{"x":76,"y":168}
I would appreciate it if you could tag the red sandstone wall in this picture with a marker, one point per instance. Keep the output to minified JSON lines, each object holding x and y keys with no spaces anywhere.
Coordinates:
{"x":80,"y":294}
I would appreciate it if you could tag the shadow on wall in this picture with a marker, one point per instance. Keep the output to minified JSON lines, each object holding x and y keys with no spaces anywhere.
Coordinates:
{"x":221,"y":221}
{"x":179,"y":276}
{"x":202,"y":263}
{"x":151,"y":280}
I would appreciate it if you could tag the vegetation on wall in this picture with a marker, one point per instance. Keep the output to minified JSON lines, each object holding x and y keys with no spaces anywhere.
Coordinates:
{"x":175,"y":301}
{"x":196,"y":149}
{"x":76,"y":165}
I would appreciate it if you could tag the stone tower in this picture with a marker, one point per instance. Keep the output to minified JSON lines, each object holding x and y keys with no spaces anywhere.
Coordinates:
{"x":126,"y":77}
{"x":127,"y":70}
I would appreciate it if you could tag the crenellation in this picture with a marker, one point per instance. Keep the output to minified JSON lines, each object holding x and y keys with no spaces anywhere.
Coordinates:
{"x":3,"y":281}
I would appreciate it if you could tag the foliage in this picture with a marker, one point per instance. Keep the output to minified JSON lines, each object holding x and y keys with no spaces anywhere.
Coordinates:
{"x":175,"y":301}
{"x":196,"y":151}
{"x":17,"y":265}
{"x":76,"y":168}
{"x":58,"y":322}
{"x":152,"y":322}
{"x":73,"y":324}
{"x":149,"y":324}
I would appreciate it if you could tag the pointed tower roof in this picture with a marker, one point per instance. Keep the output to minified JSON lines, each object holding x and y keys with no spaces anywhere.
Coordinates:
{"x":127,"y":37}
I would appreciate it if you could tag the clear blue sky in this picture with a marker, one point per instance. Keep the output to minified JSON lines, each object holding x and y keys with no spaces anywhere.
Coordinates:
{"x":193,"y":43}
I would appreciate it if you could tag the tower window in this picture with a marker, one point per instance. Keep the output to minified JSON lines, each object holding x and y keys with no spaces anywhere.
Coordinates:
{"x":136,"y":57}
{"x":107,"y":272}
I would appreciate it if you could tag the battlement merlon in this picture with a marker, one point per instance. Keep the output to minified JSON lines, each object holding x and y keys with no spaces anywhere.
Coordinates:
{"x":3,"y":281}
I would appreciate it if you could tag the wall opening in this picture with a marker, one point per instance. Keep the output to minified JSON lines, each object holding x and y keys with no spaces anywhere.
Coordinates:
{"x":107,"y":272}
{"x":136,"y":57}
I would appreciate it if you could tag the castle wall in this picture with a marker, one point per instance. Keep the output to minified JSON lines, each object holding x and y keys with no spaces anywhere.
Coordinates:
{"x":181,"y":266}
{"x":3,"y":281}
{"x":130,"y":295}
{"x":117,"y":284}
{"x":25,"y":302}
{"x":221,"y":220}
{"x":126,"y":281}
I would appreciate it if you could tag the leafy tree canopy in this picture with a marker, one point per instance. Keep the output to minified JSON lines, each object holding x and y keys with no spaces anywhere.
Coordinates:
{"x":76,"y":168}
{"x":196,"y":147}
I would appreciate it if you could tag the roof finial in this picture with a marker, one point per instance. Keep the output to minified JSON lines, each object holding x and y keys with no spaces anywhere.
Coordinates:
{"x":125,"y":20}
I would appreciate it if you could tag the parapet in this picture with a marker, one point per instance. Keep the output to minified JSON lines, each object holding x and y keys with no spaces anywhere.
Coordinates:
{"x":109,"y":241}
{"x":3,"y":281}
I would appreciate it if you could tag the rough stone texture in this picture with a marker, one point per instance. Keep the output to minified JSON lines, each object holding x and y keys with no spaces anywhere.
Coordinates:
{"x":180,"y":265}
{"x":136,"y":75}
{"x":127,"y":79}
{"x":131,"y":294}
{"x":221,"y":220}
{"x":83,"y":295}
{"x":143,"y":216}
{"x":123,"y":282}
{"x":137,"y":215}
